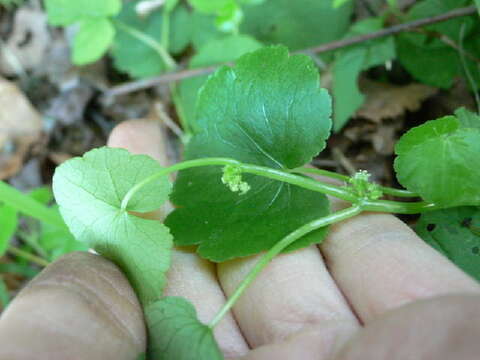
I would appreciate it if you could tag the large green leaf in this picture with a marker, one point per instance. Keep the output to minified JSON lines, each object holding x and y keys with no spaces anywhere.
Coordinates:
{"x":139,"y":59}
{"x":439,"y":161}
{"x":92,"y":40}
{"x":175,"y":333}
{"x":89,"y":191}
{"x":455,"y":233}
{"x":297,"y":24}
{"x":66,"y":12}
{"x":8,"y":226}
{"x":350,"y":62}
{"x":268,"y":110}
{"x":214,"y":52}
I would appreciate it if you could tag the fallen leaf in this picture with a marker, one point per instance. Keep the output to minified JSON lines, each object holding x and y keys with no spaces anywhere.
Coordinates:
{"x":387,"y":101}
{"x":20,"y":128}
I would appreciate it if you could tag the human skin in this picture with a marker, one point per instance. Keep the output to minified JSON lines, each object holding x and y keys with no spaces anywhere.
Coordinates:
{"x":372,"y":291}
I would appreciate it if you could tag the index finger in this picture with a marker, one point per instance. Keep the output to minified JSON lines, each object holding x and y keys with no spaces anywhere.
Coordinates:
{"x":380,"y":264}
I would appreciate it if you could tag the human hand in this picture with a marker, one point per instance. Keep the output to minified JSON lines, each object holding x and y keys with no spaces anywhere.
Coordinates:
{"x":373,"y":291}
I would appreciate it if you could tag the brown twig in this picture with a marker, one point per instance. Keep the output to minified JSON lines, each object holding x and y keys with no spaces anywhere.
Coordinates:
{"x":335,"y":45}
{"x":393,"y":30}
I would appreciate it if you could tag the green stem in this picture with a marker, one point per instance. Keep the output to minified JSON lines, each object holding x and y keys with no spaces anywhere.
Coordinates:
{"x":270,"y":173}
{"x":281,"y":245}
{"x":165,"y":37}
{"x":151,"y":42}
{"x":336,"y":176}
{"x":27,"y":256}
{"x":321,"y":172}
{"x":28,"y":206}
{"x":399,"y":207}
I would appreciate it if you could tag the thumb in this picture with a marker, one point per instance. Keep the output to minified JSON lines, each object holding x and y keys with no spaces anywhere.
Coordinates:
{"x":79,"y":307}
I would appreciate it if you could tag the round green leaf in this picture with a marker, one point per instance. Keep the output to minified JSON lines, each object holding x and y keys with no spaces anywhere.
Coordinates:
{"x":92,"y":40}
{"x":89,"y":192}
{"x":268,"y":110}
{"x":439,"y":160}
{"x":66,"y":12}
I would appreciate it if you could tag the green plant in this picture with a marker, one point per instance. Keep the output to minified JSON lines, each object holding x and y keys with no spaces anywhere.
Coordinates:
{"x":10,"y":3}
{"x":243,"y":190}
{"x":44,"y":234}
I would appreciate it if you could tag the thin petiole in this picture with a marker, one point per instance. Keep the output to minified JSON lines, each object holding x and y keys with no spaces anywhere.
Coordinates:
{"x":321,"y":172}
{"x":399,"y":207}
{"x":345,"y":178}
{"x":149,"y":41}
{"x":274,"y":174}
{"x":278,"y":248}
{"x":27,"y":256}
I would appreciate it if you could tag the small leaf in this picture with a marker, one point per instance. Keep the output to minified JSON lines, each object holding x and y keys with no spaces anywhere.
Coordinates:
{"x":350,"y":62}
{"x":439,"y":161}
{"x":92,"y":40}
{"x":346,"y":93}
{"x":175,"y":333}
{"x":139,"y":59}
{"x":89,"y":191}
{"x":210,"y":6}
{"x":455,"y":233}
{"x":8,"y":226}
{"x":229,"y":18}
{"x":269,"y":110}
{"x":297,"y":24}
{"x":467,"y":118}
{"x":66,"y":12}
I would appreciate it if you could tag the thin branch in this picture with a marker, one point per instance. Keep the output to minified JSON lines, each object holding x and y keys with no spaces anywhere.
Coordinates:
{"x":335,"y":45}
{"x":393,"y":30}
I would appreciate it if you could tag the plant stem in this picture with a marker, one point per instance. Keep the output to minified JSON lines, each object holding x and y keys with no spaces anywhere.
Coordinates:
{"x":165,"y":38}
{"x":27,"y":256}
{"x":151,"y":42}
{"x":321,"y":172}
{"x":274,"y":174}
{"x":28,"y":206}
{"x":399,"y":207}
{"x":341,"y":177}
{"x":278,"y":248}
{"x":335,"y":45}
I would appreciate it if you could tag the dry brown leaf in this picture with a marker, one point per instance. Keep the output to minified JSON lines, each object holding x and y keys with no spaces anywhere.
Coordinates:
{"x":20,"y":128}
{"x":387,"y":101}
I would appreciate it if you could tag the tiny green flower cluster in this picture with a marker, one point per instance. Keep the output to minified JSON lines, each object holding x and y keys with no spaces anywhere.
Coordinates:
{"x":232,"y":177}
{"x":363,"y":188}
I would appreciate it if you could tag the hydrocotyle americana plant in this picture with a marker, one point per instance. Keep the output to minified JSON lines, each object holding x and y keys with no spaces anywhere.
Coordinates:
{"x":243,"y":189}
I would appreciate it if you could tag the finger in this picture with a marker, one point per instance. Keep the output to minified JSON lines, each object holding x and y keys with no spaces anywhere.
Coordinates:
{"x":189,"y":275}
{"x":443,"y":328}
{"x":80,"y":307}
{"x":293,"y":293}
{"x":380,"y":263}
{"x":306,"y":345}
